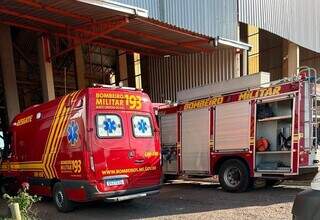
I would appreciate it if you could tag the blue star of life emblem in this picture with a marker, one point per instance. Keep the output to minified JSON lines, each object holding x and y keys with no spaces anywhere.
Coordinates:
{"x":73,"y":132}
{"x":142,"y":126}
{"x":110,"y":125}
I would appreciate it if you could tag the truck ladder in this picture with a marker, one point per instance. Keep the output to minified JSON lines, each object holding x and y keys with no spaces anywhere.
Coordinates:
{"x":314,"y":98}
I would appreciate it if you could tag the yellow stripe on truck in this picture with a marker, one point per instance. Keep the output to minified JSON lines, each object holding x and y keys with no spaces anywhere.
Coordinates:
{"x":51,"y":136}
{"x":53,"y":141}
{"x":62,"y":126}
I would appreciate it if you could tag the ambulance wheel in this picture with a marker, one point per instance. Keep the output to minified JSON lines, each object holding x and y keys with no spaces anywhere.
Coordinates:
{"x":234,"y":176}
{"x":63,"y":204}
{"x":9,"y":186}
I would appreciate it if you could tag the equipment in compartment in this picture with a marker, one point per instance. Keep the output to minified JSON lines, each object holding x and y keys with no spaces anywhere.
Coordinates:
{"x":169,"y":153}
{"x":284,"y":138}
{"x":274,"y":124}
{"x":262,"y":144}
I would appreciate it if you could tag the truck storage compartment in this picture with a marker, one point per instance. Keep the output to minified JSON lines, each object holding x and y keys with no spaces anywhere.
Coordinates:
{"x":232,"y":127}
{"x":168,"y":126}
{"x":274,"y":128}
{"x":195,"y":141}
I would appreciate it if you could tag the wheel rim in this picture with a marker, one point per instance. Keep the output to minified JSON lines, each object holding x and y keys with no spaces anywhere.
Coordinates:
{"x":232,"y":176}
{"x":59,"y":199}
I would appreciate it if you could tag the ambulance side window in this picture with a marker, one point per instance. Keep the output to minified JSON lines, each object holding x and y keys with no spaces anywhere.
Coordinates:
{"x":141,"y":126}
{"x":109,"y":126}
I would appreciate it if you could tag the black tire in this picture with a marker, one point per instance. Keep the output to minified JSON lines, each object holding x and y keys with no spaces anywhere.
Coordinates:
{"x":62,"y":203}
{"x":9,"y":186}
{"x":234,"y":176}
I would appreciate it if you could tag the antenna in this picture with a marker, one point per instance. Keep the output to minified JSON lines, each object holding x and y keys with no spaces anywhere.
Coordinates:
{"x":65,"y":80}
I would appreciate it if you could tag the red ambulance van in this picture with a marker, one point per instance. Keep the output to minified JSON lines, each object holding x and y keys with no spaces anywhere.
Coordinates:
{"x":99,"y":143}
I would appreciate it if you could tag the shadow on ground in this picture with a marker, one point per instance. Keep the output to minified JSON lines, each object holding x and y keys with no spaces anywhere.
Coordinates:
{"x":174,"y":199}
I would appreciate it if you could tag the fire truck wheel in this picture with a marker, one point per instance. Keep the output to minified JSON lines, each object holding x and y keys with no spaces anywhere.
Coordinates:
{"x":234,"y":176}
{"x":60,"y":199}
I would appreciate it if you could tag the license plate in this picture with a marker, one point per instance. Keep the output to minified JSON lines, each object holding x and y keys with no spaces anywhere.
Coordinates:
{"x":115,"y":182}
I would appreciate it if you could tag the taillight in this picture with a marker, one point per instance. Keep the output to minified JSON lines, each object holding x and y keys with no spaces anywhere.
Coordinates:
{"x":160,"y":158}
{"x":92,"y":164}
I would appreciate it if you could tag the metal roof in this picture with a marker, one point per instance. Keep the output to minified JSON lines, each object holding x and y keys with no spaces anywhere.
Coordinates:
{"x":209,"y":17}
{"x":107,"y":24}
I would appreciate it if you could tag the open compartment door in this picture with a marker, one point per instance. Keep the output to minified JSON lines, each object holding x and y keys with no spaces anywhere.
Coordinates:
{"x":168,"y":126}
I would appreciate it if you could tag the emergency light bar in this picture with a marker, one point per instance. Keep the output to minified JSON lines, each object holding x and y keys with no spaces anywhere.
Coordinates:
{"x":115,"y":87}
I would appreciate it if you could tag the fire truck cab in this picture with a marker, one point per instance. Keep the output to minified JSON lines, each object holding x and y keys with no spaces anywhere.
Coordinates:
{"x":243,"y":129}
{"x":99,"y":143}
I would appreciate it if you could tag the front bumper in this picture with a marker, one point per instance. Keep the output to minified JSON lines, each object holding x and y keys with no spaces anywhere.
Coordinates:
{"x":307,"y":205}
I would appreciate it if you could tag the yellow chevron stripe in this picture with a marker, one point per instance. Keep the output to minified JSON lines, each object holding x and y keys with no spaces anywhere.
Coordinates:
{"x":53,"y":142}
{"x":56,"y":137}
{"x":51,"y":129}
{"x":64,"y":128}
{"x":60,"y":118}
{"x":51,"y":136}
{"x":73,"y":101}
{"x":59,"y":135}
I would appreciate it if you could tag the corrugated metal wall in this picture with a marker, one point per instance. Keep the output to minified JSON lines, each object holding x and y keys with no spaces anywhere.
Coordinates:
{"x":209,"y":17}
{"x":169,"y":75}
{"x":295,"y":20}
{"x":214,"y":18}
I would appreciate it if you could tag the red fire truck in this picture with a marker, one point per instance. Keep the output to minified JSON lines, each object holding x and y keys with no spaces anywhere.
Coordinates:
{"x":99,"y":143}
{"x":267,"y":132}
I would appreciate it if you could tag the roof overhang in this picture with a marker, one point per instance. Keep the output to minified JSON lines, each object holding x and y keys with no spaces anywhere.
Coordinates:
{"x":107,"y":24}
{"x":220,"y":41}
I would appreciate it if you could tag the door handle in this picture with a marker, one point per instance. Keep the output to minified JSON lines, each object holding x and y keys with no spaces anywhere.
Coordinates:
{"x":139,"y":161}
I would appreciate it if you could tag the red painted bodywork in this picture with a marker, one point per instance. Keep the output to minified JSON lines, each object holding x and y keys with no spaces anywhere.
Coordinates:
{"x":137,"y":160}
{"x":299,"y":152}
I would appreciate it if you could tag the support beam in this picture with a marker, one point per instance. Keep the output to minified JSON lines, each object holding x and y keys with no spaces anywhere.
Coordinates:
{"x":244,"y":63}
{"x":9,"y":72}
{"x":291,"y":59}
{"x":45,"y":69}
{"x":123,"y":67}
{"x":80,"y":68}
{"x":96,"y":35}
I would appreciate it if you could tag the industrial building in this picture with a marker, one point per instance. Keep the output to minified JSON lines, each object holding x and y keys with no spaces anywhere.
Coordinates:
{"x":49,"y":48}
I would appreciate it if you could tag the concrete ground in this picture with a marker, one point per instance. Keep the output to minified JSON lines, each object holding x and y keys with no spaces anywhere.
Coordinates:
{"x":189,"y":200}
